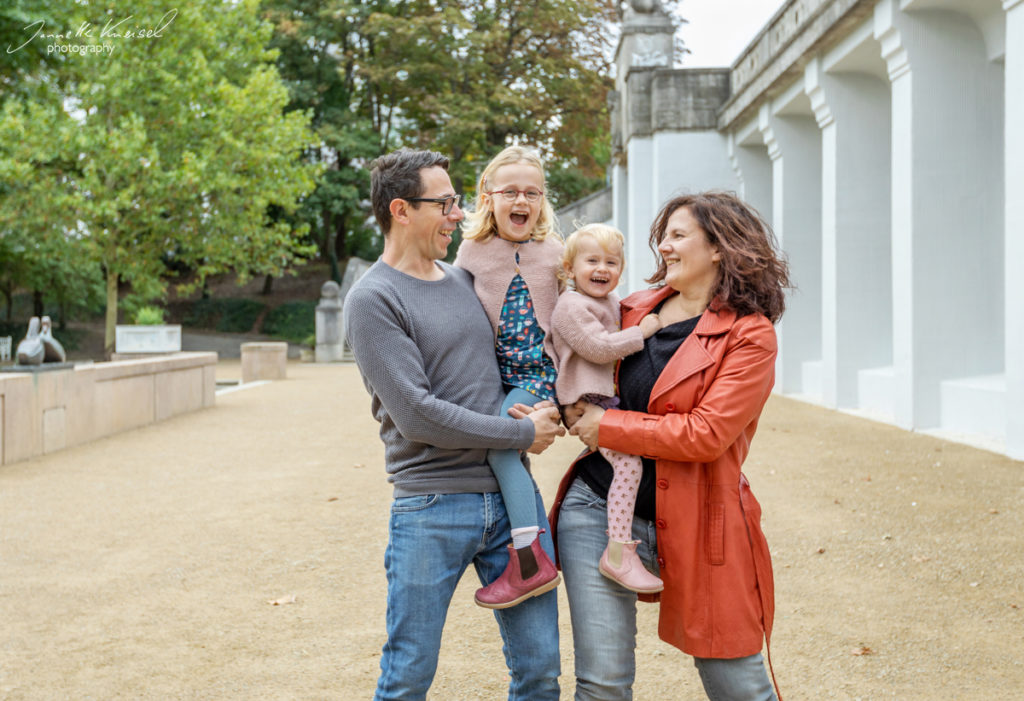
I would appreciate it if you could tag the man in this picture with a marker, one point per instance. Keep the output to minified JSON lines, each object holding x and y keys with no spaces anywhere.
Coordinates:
{"x":425,"y":350}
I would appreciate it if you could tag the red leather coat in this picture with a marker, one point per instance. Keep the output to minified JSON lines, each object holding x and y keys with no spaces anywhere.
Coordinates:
{"x":719,"y":598}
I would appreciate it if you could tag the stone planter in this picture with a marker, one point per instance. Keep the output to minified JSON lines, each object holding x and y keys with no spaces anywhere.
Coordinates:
{"x":148,"y":339}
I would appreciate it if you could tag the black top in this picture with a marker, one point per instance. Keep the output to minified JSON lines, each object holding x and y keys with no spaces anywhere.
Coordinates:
{"x":637,"y":376}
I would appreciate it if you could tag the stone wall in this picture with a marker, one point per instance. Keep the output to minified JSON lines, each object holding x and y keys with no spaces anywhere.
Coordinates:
{"x":49,"y":410}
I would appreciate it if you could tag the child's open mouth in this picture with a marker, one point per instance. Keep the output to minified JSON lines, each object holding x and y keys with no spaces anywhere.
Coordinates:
{"x":518,"y":218}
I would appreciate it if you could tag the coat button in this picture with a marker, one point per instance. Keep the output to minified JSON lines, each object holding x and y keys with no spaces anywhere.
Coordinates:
{"x":662,"y":484}
{"x":661,"y":562}
{"x":660,"y":523}
{"x":670,"y":407}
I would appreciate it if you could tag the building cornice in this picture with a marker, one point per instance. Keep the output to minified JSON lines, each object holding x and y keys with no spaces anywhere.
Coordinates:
{"x":778,"y":55}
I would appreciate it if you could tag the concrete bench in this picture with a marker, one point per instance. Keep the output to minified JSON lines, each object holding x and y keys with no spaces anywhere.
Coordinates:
{"x":264,"y":361}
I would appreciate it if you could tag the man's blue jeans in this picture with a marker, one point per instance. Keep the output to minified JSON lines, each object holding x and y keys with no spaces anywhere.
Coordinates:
{"x":604,"y":614}
{"x":433,"y":539}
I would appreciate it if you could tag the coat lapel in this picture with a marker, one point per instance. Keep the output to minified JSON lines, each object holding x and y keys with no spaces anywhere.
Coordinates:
{"x":692,"y":356}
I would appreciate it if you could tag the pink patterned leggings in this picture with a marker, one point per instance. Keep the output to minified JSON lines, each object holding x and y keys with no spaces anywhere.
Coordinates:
{"x":622,"y":493}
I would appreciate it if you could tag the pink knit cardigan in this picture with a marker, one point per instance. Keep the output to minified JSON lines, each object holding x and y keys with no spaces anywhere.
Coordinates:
{"x":588,"y":343}
{"x":493,"y":266}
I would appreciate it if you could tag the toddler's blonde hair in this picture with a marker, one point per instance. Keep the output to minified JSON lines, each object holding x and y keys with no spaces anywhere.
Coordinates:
{"x":608,"y":237}
{"x":480,"y":224}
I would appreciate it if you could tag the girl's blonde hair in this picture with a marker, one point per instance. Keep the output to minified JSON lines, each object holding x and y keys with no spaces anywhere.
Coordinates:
{"x":480,"y":224}
{"x":608,"y":237}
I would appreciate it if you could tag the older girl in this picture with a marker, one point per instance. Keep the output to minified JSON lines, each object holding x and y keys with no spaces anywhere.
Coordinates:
{"x":512,"y":248}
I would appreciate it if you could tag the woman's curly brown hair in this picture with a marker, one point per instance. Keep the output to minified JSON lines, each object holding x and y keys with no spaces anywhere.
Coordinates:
{"x":753,"y":273}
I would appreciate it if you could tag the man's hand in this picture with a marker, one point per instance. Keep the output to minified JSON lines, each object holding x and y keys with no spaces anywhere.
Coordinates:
{"x":547,"y":427}
{"x":586,"y":427}
{"x":521,"y":411}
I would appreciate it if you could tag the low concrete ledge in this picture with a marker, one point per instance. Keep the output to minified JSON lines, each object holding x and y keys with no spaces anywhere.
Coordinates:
{"x":264,"y":361}
{"x":48,"y":411}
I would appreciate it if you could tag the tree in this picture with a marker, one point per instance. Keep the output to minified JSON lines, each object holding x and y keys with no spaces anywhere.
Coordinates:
{"x":172,"y":149}
{"x":464,"y":78}
{"x":321,"y":48}
{"x":505,"y":71}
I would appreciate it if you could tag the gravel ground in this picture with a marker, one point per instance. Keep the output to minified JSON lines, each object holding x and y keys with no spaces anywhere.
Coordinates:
{"x":237,"y":553}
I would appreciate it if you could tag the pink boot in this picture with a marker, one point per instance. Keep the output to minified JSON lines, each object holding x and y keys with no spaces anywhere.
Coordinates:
{"x":620,"y":563}
{"x":511,"y":588}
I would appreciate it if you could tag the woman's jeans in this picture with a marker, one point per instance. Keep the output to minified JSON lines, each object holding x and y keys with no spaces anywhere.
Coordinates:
{"x":604,"y":614}
{"x":432,"y":540}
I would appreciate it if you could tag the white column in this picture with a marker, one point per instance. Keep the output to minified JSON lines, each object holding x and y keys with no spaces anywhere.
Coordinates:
{"x":753,"y":170}
{"x":794,"y":147}
{"x":690,"y":161}
{"x":947,"y":206}
{"x":640,"y":212}
{"x":1014,"y":227}
{"x":852,"y":111}
{"x":620,"y":196}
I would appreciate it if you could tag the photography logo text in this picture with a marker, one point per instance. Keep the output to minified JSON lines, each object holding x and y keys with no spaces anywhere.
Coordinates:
{"x":90,"y":38}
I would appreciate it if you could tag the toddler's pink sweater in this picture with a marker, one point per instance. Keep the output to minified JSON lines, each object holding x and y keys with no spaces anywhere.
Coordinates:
{"x":587,"y":340}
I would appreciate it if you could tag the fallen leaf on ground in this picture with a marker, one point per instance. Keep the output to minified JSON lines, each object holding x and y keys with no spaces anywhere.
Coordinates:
{"x":282,"y":601}
{"x":862,"y":650}
{"x":332,"y":499}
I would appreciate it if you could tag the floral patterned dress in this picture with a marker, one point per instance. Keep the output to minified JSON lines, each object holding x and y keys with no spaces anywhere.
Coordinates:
{"x":520,"y":344}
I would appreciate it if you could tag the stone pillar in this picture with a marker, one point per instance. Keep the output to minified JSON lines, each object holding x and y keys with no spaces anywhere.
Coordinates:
{"x":690,"y":154}
{"x":328,"y":323}
{"x":753,"y":170}
{"x":1014,"y":227}
{"x":852,"y":111}
{"x":640,"y":209}
{"x":947,"y":206}
{"x":264,"y":361}
{"x":645,"y":43}
{"x":794,"y":147}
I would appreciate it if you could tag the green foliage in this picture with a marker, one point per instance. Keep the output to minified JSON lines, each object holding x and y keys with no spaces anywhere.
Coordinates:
{"x":239,"y":138}
{"x":174,"y":149}
{"x":227,"y":315}
{"x":567,"y":185}
{"x":505,"y":71}
{"x":15,"y":329}
{"x":19,"y":57}
{"x":149,"y":316}
{"x":465,"y":78}
{"x":292,"y":321}
{"x":240,"y":315}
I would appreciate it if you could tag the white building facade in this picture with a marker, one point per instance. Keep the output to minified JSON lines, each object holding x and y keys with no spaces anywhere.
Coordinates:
{"x":884,"y":141}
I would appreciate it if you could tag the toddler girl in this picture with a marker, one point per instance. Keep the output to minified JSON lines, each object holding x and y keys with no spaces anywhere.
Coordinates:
{"x":512,"y":248}
{"x":588,"y":343}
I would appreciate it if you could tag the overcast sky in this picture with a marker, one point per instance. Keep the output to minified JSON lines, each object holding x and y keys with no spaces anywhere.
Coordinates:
{"x":719,"y":30}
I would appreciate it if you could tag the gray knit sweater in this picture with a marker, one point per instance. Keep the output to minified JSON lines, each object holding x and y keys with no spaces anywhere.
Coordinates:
{"x":425,"y":350}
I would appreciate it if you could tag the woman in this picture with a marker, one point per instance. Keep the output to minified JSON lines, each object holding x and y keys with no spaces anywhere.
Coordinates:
{"x":689,"y":404}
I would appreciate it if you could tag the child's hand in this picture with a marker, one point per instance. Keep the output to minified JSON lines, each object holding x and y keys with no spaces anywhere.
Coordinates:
{"x":650,"y":325}
{"x":572,"y":412}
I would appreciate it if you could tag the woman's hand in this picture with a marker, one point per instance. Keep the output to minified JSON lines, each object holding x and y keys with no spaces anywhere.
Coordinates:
{"x":586,"y":427}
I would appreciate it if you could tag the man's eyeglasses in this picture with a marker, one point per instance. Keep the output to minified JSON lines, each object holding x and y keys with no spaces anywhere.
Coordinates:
{"x":447,"y":203}
{"x":511,"y":194}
